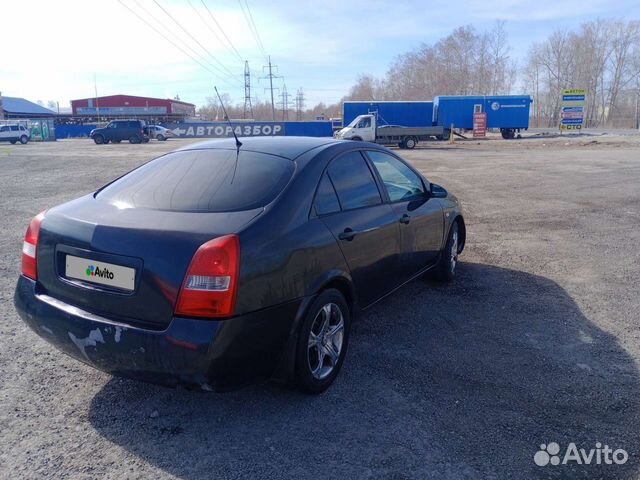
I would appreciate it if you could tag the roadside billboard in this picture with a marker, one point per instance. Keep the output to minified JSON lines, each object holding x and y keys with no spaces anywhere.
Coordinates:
{"x":572,"y":109}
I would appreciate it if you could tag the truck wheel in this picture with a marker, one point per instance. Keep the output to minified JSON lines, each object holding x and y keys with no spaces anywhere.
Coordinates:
{"x":508,"y":133}
{"x":24,"y":139}
{"x":99,"y":139}
{"x":446,"y":134}
{"x":410,"y":143}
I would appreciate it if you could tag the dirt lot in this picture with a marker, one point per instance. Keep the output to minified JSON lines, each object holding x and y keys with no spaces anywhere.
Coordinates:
{"x":536,"y":341}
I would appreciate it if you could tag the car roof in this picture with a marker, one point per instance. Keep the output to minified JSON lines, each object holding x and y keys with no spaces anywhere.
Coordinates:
{"x":287,"y":147}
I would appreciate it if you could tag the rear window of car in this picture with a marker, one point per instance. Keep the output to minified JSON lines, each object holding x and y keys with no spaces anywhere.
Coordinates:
{"x":203,"y":181}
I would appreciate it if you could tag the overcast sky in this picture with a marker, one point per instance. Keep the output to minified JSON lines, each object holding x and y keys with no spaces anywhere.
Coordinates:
{"x":52,"y":49}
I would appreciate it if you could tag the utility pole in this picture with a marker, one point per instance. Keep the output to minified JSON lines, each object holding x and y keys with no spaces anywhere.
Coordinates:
{"x":248,"y":108}
{"x":638,"y":109}
{"x":299,"y":104}
{"x":271,"y":76}
{"x":95,"y":86}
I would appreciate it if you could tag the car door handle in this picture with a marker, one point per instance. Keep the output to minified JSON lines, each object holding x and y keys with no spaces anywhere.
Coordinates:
{"x":348,"y":234}
{"x":405,"y":219}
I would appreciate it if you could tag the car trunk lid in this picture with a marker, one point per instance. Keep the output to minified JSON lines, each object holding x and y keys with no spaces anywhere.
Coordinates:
{"x":125,"y":264}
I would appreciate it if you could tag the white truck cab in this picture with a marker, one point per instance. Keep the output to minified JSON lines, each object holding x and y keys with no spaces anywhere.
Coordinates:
{"x":362,"y":128}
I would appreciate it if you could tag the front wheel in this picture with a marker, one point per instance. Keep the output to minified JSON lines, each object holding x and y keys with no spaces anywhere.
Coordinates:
{"x":322,"y":342}
{"x":24,"y":139}
{"x":99,"y":139}
{"x":445,"y":271}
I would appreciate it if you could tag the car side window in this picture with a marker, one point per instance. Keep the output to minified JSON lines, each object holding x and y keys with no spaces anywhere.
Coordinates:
{"x":4,"y":129}
{"x":326,"y":199}
{"x":14,"y":128}
{"x":353,"y":181}
{"x":400,"y":182}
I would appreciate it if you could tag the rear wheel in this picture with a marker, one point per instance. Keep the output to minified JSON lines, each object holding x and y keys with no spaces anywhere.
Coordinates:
{"x":99,"y":139}
{"x":134,"y":139}
{"x":322,"y":342}
{"x":13,"y":142}
{"x":24,"y":139}
{"x":508,"y":133}
{"x":160,"y":137}
{"x":446,"y":134}
{"x":410,"y":143}
{"x":445,"y":271}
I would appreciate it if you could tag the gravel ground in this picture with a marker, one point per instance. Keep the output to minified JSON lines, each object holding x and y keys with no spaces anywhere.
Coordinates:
{"x":536,"y":341}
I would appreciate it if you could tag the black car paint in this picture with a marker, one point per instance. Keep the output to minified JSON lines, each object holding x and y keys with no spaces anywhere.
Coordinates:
{"x":288,"y":255}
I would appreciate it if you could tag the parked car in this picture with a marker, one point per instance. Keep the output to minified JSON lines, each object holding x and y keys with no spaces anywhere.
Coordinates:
{"x":249,"y":264}
{"x":119,"y":130}
{"x":14,"y":133}
{"x":160,"y":133}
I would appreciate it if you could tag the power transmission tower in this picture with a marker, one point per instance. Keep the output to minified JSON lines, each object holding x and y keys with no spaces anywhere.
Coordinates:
{"x":271,"y":76}
{"x":285,"y":102}
{"x":299,"y":104}
{"x":248,"y":108}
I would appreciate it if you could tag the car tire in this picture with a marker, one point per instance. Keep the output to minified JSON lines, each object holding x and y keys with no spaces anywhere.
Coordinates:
{"x":13,"y":142}
{"x":134,"y":139}
{"x":325,"y":329}
{"x":99,"y":139}
{"x":160,"y":138}
{"x":445,"y":270}
{"x":24,"y":139}
{"x":446,"y":134}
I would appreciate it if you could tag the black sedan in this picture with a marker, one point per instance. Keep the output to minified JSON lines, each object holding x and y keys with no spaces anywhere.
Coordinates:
{"x":215,"y":266}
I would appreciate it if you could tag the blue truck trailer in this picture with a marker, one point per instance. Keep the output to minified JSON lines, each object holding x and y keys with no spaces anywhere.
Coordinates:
{"x":406,"y":114}
{"x":509,"y":113}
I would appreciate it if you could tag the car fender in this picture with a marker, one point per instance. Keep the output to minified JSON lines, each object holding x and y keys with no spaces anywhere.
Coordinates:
{"x":285,"y":370}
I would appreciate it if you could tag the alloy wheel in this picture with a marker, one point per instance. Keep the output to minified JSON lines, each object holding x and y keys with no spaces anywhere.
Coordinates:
{"x":325,"y":341}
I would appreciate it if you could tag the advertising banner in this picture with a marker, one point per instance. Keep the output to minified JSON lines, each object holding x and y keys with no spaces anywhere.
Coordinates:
{"x":572,"y":109}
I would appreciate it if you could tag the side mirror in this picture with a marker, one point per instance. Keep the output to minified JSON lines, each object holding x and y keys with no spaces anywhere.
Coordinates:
{"x":437,"y":191}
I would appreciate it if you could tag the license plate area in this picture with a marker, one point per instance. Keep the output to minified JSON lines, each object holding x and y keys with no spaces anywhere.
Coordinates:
{"x":111,"y":272}
{"x":100,"y":273}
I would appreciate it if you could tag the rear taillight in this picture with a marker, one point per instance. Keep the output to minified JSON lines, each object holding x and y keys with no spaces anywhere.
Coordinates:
{"x":29,"y":247}
{"x":210,"y":286}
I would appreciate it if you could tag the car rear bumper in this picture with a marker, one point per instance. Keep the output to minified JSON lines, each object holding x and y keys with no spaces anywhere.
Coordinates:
{"x":205,"y":354}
